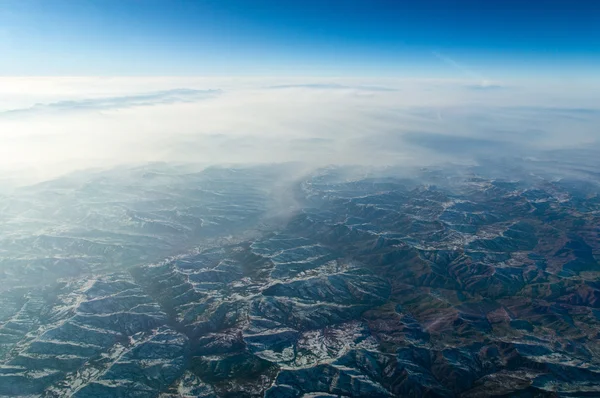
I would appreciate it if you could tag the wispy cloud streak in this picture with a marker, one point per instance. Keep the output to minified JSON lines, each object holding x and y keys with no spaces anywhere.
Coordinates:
{"x":482,"y":81}
{"x":135,"y":100}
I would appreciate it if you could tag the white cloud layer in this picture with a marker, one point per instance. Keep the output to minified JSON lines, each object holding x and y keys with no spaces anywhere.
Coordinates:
{"x":50,"y":126}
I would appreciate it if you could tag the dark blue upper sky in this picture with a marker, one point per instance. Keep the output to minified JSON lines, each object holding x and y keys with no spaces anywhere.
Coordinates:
{"x":430,"y":38}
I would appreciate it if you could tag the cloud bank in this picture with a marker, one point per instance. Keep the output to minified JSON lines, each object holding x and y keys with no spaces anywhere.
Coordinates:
{"x":50,"y":126}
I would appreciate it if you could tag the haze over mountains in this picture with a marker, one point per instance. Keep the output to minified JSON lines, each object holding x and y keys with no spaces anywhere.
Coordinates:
{"x":298,"y":238}
{"x":282,"y":281}
{"x":55,"y":125}
{"x":299,"y":199}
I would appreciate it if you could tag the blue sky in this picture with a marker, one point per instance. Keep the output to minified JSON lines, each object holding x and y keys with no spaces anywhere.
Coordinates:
{"x":431,"y":38}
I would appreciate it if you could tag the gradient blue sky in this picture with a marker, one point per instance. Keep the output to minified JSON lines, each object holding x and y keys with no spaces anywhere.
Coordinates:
{"x":432,"y":38}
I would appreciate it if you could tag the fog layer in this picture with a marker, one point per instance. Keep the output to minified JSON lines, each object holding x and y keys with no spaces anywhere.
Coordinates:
{"x":50,"y":126}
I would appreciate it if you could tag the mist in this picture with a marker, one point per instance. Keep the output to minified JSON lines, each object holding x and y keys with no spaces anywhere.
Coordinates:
{"x":56,"y":125}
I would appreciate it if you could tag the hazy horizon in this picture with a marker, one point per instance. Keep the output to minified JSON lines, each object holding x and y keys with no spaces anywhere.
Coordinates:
{"x":85,"y":84}
{"x":55,"y":125}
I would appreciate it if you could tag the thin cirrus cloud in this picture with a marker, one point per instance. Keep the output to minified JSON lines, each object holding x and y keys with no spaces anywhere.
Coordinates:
{"x":90,"y":122}
{"x":332,"y":86}
{"x":119,"y":102}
